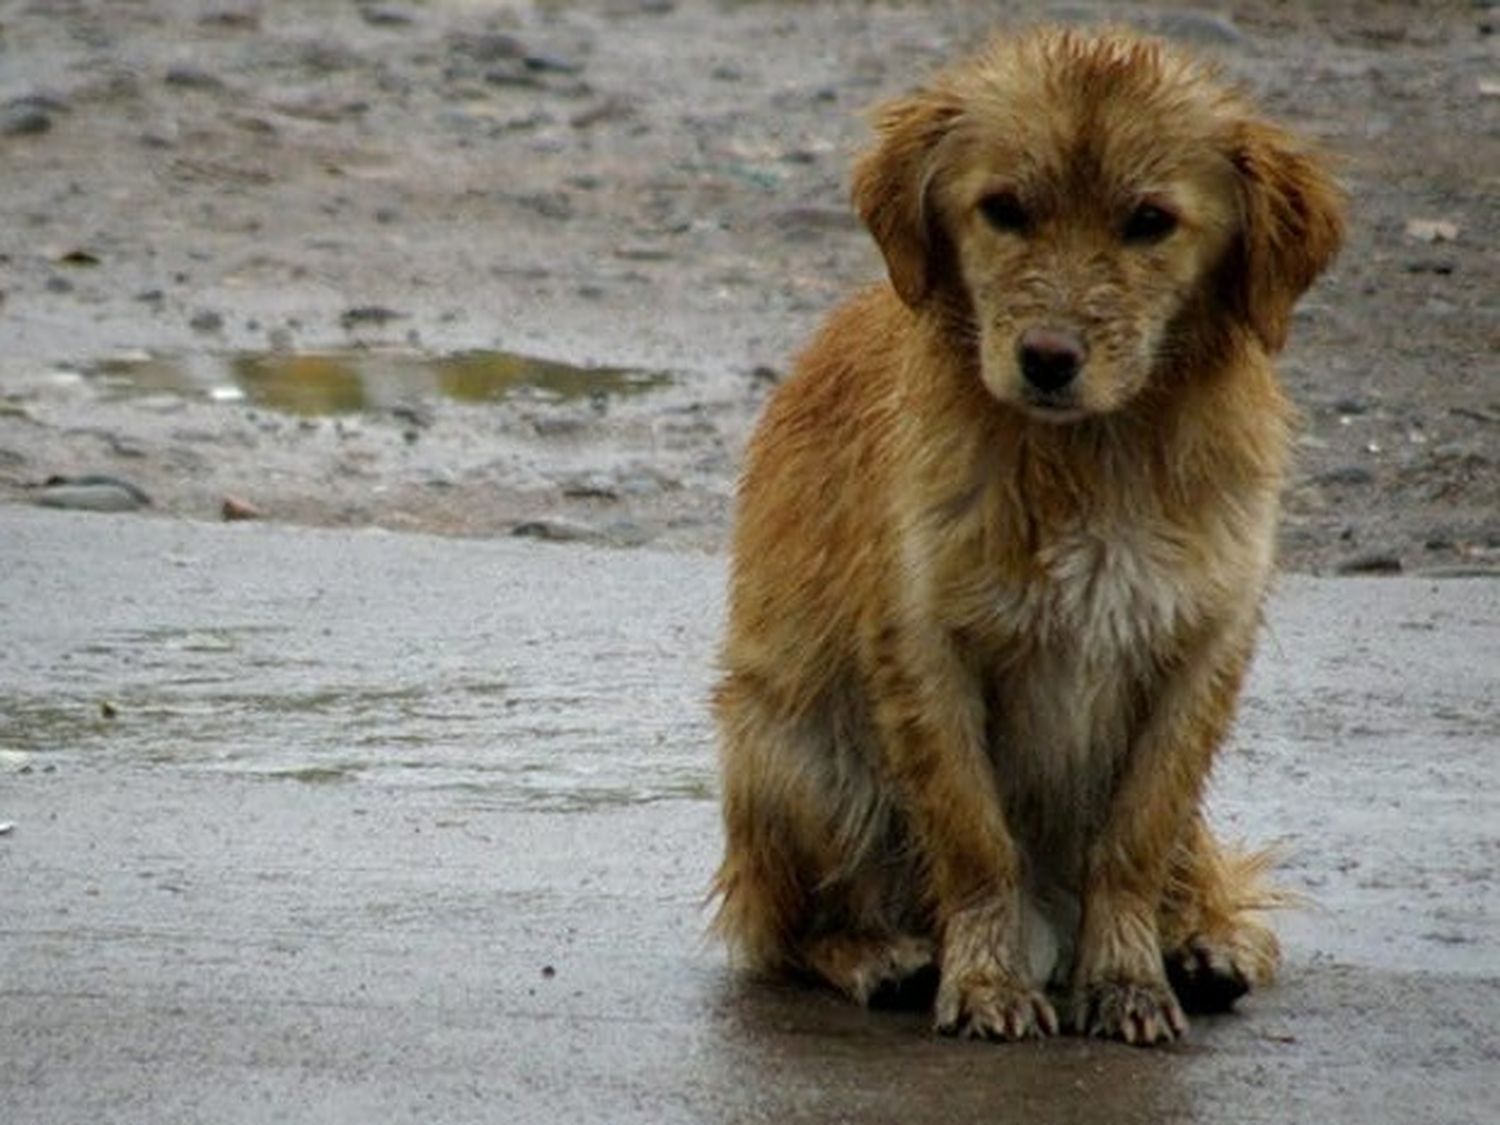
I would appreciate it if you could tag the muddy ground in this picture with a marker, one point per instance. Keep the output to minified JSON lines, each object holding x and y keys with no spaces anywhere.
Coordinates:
{"x":233,"y":235}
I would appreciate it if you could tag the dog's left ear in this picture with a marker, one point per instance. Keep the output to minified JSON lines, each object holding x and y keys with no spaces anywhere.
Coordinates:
{"x":1293,"y":215}
{"x":890,"y":187}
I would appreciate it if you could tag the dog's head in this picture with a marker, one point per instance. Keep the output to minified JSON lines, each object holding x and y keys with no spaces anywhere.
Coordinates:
{"x":1099,"y":206}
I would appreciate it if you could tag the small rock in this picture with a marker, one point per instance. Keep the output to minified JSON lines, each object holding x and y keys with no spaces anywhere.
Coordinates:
{"x":414,"y":414}
{"x":206,"y":320}
{"x":1370,"y":562}
{"x":550,"y":64}
{"x":379,"y":15}
{"x":367,"y":314}
{"x":609,"y":110}
{"x":24,"y":121}
{"x":232,"y":19}
{"x":642,"y":253}
{"x":1431,"y":230}
{"x":1351,"y":406}
{"x":108,"y":710}
{"x":91,"y":493}
{"x":7,"y":827}
{"x":191,"y":78}
{"x":548,"y":204}
{"x":236,"y":509}
{"x":30,"y":115}
{"x":555,"y":531}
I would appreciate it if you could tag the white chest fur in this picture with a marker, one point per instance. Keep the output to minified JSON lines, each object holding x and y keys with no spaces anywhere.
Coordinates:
{"x":1077,"y":654}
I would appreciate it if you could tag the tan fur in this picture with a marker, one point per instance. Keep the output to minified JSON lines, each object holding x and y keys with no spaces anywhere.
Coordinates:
{"x":981,"y":651}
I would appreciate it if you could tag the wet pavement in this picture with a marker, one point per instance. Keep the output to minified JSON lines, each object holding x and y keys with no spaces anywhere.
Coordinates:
{"x":332,"y":826}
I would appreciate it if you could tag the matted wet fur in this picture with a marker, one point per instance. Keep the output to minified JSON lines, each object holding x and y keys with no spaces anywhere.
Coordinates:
{"x":1001,"y":547}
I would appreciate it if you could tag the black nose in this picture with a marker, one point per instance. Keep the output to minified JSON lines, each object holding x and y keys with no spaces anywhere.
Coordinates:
{"x":1050,"y":358}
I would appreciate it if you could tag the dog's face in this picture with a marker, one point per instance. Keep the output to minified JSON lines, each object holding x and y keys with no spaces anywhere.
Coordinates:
{"x":1100,"y":208}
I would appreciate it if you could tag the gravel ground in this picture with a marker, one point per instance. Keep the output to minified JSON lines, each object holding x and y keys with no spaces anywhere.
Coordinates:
{"x":204,"y":204}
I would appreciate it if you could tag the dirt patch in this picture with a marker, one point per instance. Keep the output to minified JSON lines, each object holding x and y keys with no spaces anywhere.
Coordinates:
{"x":654,"y":186}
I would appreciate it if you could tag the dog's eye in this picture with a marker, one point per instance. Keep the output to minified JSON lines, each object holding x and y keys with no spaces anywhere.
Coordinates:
{"x":1003,"y":211}
{"x":1149,"y":223}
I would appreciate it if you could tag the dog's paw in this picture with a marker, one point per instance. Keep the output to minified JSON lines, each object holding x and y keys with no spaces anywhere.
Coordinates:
{"x":1210,"y":972}
{"x":904,"y":976}
{"x":1141,"y":1013}
{"x":883,"y":972}
{"x":993,"y":1006}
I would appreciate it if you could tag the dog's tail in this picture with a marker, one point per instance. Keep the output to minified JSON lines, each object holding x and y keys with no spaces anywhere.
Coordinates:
{"x":1215,"y":906}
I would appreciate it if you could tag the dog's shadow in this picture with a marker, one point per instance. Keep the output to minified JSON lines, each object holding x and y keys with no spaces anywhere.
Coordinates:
{"x":802,"y":1053}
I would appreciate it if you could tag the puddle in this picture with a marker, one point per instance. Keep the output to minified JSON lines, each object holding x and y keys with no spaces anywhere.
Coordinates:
{"x":315,"y":384}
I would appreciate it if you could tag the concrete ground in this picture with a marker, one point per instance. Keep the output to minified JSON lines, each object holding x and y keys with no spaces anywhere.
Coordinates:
{"x":322,"y":826}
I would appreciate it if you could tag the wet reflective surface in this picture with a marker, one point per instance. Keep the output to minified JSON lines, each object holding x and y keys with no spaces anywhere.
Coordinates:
{"x":354,"y":826}
{"x":326,"y":658}
{"x":349,"y":382}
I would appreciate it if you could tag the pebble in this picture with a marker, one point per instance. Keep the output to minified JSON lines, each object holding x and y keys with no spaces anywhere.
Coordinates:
{"x":191,"y":78}
{"x":367,"y":314}
{"x":206,"y":320}
{"x":556,"y":531}
{"x":1351,"y":406}
{"x":380,"y":15}
{"x":24,"y":121}
{"x":91,"y":493}
{"x":551,"y":64}
{"x":1431,"y":230}
{"x":29,"y":114}
{"x":1369,"y":562}
{"x":548,"y":204}
{"x":236,"y":509}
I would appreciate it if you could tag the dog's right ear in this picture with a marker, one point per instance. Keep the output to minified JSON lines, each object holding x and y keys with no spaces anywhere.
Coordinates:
{"x":890,"y":187}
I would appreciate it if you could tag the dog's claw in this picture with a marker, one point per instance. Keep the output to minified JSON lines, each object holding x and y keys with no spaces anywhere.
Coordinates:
{"x":1138,"y":1013}
{"x":1007,"y":1011}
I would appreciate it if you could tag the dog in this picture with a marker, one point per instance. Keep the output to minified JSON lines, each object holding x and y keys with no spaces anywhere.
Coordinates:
{"x":1001,"y":547}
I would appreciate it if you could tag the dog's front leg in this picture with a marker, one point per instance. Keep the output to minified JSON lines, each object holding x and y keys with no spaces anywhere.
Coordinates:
{"x":1120,"y":986}
{"x":930,"y":713}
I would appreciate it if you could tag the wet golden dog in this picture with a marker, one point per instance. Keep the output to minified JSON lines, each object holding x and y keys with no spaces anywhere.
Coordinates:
{"x":1002,"y":544}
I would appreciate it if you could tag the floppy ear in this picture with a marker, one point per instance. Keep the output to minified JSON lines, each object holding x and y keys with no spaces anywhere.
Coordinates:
{"x":1293,"y":215}
{"x":890,"y":187}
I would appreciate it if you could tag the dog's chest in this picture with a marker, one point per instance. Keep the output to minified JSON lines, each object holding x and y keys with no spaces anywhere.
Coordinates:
{"x":1077,"y":651}
{"x":1112,"y":595}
